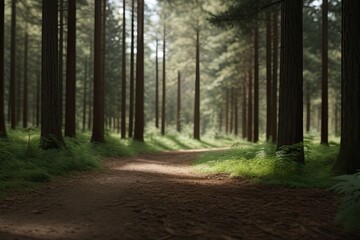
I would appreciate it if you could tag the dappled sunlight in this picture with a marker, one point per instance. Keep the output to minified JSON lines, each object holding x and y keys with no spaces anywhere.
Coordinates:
{"x":41,"y":230}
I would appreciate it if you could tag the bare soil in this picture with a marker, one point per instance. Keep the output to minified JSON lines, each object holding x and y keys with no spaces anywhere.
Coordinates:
{"x":159,"y":197}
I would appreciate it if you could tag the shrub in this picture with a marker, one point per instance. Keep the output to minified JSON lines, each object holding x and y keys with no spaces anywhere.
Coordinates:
{"x":349,"y":212}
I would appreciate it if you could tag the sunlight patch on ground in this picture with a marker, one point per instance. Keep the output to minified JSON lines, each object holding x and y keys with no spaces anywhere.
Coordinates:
{"x":41,"y":230}
{"x":171,"y":172}
{"x":147,"y":166}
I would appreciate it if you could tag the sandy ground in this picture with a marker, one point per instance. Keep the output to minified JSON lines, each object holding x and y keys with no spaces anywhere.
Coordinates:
{"x":159,"y":197}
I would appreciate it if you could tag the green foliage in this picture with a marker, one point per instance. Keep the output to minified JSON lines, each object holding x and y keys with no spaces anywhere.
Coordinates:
{"x":349,"y":213}
{"x":261,"y":164}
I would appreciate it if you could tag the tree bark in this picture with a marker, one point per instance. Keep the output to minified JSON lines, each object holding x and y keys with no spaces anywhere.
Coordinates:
{"x":244,"y":112}
{"x":123,"y":75}
{"x":291,"y":78}
{"x":51,"y":136}
{"x":3,"y":133}
{"x":98,"y":102}
{"x":231,"y":110}
{"x":163,"y":109}
{"x":250,"y":108}
{"x":61,"y":59}
{"x":348,"y":160}
{"x":274,"y":90}
{"x":324,"y":95}
{"x":178,"y":110}
{"x":38,"y":96}
{"x":268,"y":78}
{"x":256,"y":85}
{"x":236,"y":112}
{"x":308,"y":112}
{"x":139,"y":107}
{"x":70,"y":109}
{"x":157,"y":84}
{"x":132,"y":76}
{"x":25,"y":89}
{"x":12,"y":94}
{"x":85,"y":95}
{"x":227,"y":111}
{"x":197,"y":89}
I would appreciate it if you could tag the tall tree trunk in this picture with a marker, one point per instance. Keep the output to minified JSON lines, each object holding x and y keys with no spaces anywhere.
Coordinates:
{"x":12,"y":93}
{"x":51,"y":136}
{"x":123,"y":77}
{"x":38,"y":96}
{"x":61,"y":59}
{"x":157,"y":84}
{"x":231,"y":110}
{"x":291,"y":78}
{"x":139,"y":107}
{"x":227,"y":111}
{"x":336,"y":117}
{"x":256,"y":84}
{"x":197,"y":89}
{"x":274,"y":90}
{"x":324,"y":95}
{"x":85,"y":95}
{"x":348,"y":160}
{"x":3,"y":133}
{"x":221,"y":119}
{"x":268,"y":77}
{"x":70,"y":110}
{"x":308,"y":112}
{"x":132,"y":68}
{"x":250,"y":109}
{"x":244,"y":112}
{"x":163,"y":109}
{"x":25,"y":90}
{"x":178,"y":109}
{"x":236,"y":112}
{"x":99,"y":103}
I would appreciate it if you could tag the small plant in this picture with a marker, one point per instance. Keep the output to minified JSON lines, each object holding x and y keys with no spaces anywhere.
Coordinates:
{"x":349,"y":212}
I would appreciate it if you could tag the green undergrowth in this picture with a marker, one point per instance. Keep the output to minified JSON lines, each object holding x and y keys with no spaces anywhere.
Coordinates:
{"x":261,"y":163}
{"x":23,"y":163}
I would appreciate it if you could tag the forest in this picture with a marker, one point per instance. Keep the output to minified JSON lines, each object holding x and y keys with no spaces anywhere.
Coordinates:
{"x":173,"y":119}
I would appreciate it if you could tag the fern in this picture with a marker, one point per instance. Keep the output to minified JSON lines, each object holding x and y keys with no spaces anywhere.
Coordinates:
{"x":349,"y":212}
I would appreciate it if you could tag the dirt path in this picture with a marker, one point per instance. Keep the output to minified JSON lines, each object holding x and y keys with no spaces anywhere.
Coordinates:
{"x":158,"y":197}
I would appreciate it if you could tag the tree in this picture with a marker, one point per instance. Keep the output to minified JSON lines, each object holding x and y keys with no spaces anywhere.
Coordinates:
{"x":163,"y":106}
{"x":250,"y":108}
{"x":324,"y":103}
{"x":349,"y":155}
{"x":61,"y":57}
{"x":157,"y":84}
{"x":132,"y":73}
{"x":12,"y":100}
{"x":268,"y":77}
{"x":197,"y":89}
{"x":178,"y":109}
{"x":98,"y":103}
{"x":25,"y":90}
{"x":290,"y":129}
{"x":256,"y":83}
{"x":139,"y":105}
{"x":51,"y":136}
{"x":2,"y":113}
{"x":85,"y":96}
{"x":123,"y":75}
{"x":274,"y":90}
{"x":70,"y":110}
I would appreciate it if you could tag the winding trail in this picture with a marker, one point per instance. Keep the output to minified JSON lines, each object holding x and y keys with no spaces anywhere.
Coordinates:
{"x":158,"y":196}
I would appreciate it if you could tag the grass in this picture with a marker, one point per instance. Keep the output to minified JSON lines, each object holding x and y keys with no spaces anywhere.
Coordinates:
{"x":260,"y":163}
{"x":23,"y":164}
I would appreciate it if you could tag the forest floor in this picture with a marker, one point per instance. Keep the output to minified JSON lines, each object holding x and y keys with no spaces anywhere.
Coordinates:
{"x":158,"y":196}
